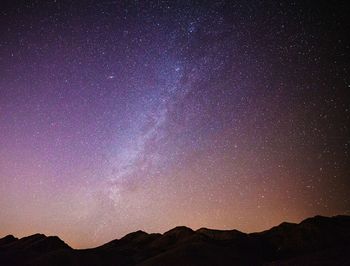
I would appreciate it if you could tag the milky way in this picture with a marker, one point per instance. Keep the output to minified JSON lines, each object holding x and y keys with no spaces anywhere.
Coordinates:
{"x":144,"y":115}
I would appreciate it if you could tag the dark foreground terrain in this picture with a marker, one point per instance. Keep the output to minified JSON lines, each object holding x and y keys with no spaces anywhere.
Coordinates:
{"x":314,"y":241}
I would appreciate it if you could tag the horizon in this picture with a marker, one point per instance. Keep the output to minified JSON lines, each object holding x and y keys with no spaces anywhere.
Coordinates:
{"x":117,"y":116}
{"x":179,"y":226}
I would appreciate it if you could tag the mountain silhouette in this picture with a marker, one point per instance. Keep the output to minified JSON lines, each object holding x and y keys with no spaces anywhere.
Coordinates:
{"x":315,"y":241}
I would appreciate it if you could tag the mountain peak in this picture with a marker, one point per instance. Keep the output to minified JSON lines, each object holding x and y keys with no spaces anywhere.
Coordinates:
{"x":179,"y":229}
{"x":135,"y":236}
{"x":7,"y":240}
{"x":220,"y":234}
{"x":313,"y":240}
{"x":36,"y":242}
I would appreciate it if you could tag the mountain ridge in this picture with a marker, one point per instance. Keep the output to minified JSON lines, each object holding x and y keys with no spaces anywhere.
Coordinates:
{"x":307,"y":241}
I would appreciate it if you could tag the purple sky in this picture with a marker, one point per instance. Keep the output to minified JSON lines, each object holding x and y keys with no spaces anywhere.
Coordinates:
{"x":118,"y":116}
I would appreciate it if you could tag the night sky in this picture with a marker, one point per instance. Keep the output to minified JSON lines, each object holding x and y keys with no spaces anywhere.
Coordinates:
{"x":145,"y":115}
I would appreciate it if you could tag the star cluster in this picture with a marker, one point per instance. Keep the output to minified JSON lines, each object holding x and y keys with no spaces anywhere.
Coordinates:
{"x":117,"y":116}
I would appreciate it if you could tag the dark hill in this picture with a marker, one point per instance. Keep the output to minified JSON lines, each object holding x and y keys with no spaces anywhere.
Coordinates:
{"x":221,"y":234}
{"x":314,"y":241}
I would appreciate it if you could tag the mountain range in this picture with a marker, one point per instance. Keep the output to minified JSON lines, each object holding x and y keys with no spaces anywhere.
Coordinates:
{"x":315,"y":241}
